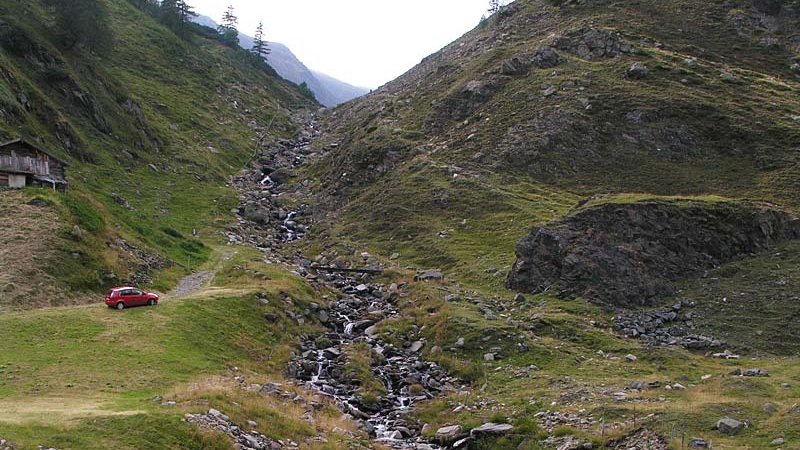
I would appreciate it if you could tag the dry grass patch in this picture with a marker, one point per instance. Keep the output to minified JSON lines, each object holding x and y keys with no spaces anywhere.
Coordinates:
{"x":56,"y":410}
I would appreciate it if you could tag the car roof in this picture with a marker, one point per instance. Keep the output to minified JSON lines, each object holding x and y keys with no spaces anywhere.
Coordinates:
{"x":123,"y":288}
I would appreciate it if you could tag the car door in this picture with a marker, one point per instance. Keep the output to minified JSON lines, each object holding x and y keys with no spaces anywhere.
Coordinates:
{"x":122,"y":296}
{"x":139,"y":297}
{"x":127,"y":297}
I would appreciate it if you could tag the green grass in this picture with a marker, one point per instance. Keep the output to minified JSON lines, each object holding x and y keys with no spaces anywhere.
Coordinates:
{"x":360,"y":359}
{"x":72,"y":377}
{"x":752,"y":303}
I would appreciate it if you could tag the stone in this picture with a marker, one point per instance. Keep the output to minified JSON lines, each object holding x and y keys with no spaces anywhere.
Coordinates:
{"x":637,"y":386}
{"x":453,"y":298}
{"x":416,"y":346}
{"x":448,"y":434}
{"x":430,"y":275}
{"x":514,"y":67}
{"x":755,"y":373}
{"x":489,"y":357}
{"x":281,"y":176}
{"x":519,"y":298}
{"x":637,"y":71}
{"x":546,"y":57}
{"x":323,"y":316}
{"x":256,"y":214}
{"x":769,"y":408}
{"x":729,"y":426}
{"x":550,"y":91}
{"x":460,"y":342}
{"x":697,"y":442}
{"x":778,"y":441}
{"x":631,"y":358}
{"x":728,"y":77}
{"x":492,"y":429}
{"x":394,"y":435}
{"x":76,"y":233}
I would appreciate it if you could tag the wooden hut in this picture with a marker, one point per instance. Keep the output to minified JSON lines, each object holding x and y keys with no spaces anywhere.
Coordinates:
{"x":24,"y":164}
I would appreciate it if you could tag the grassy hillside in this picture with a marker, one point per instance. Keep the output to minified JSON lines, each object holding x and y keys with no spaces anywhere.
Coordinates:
{"x":452,"y":163}
{"x":152,"y":128}
{"x":509,"y":125}
{"x":75,"y":377}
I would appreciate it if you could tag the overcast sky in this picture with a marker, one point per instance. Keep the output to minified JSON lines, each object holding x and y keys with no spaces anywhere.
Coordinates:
{"x":363,"y":42}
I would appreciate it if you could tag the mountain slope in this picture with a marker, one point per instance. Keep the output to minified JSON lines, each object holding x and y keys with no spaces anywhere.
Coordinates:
{"x":328,"y":90}
{"x":152,"y":130}
{"x":544,"y":110}
{"x":542,"y":104}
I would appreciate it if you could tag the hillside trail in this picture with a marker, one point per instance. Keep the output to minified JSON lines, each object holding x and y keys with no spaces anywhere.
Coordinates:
{"x":191,"y":284}
{"x":273,"y":214}
{"x":200,"y":281}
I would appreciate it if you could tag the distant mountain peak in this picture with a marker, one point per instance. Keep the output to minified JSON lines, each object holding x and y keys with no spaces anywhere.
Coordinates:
{"x":328,"y":90}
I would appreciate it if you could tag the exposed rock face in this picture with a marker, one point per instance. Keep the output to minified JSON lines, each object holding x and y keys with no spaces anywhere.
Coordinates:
{"x":630,"y":254}
{"x":592,"y":43}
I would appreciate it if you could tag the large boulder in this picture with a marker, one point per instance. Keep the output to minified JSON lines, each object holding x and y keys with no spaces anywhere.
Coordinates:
{"x":449,"y":434}
{"x":729,"y":426}
{"x":492,"y":429}
{"x":256,"y":213}
{"x":637,"y":71}
{"x":631,"y":253}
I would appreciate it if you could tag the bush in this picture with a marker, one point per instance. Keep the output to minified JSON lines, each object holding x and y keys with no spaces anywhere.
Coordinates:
{"x":81,"y":23}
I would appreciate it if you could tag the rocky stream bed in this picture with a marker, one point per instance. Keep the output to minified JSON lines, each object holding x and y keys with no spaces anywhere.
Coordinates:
{"x":265,"y":222}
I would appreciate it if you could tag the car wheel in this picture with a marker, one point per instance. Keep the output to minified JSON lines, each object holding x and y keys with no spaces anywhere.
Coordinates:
{"x":120,"y":306}
{"x":151,"y":302}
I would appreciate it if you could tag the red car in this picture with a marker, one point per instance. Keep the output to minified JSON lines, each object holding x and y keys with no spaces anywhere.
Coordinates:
{"x":124,"y":297}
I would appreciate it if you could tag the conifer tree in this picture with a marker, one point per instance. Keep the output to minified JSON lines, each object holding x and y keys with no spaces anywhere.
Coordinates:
{"x":185,"y":11}
{"x":229,"y":34}
{"x":260,"y":46}
{"x":168,"y":13}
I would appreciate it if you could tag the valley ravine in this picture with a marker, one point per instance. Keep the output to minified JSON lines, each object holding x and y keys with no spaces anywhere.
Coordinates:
{"x":351,"y":318}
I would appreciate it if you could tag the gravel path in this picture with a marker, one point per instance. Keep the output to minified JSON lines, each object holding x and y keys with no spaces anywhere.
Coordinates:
{"x":191,"y":284}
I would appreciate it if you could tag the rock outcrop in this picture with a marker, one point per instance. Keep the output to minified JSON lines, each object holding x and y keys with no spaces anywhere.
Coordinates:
{"x":628,"y":254}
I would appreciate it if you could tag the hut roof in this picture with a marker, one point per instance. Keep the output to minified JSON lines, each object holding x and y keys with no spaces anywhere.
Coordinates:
{"x":31,"y":146}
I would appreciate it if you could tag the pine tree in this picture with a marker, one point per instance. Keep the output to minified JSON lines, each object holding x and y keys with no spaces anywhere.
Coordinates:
{"x":494,"y":6}
{"x":260,"y":46}
{"x":168,"y":14}
{"x":229,"y":34}
{"x":185,"y":11}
